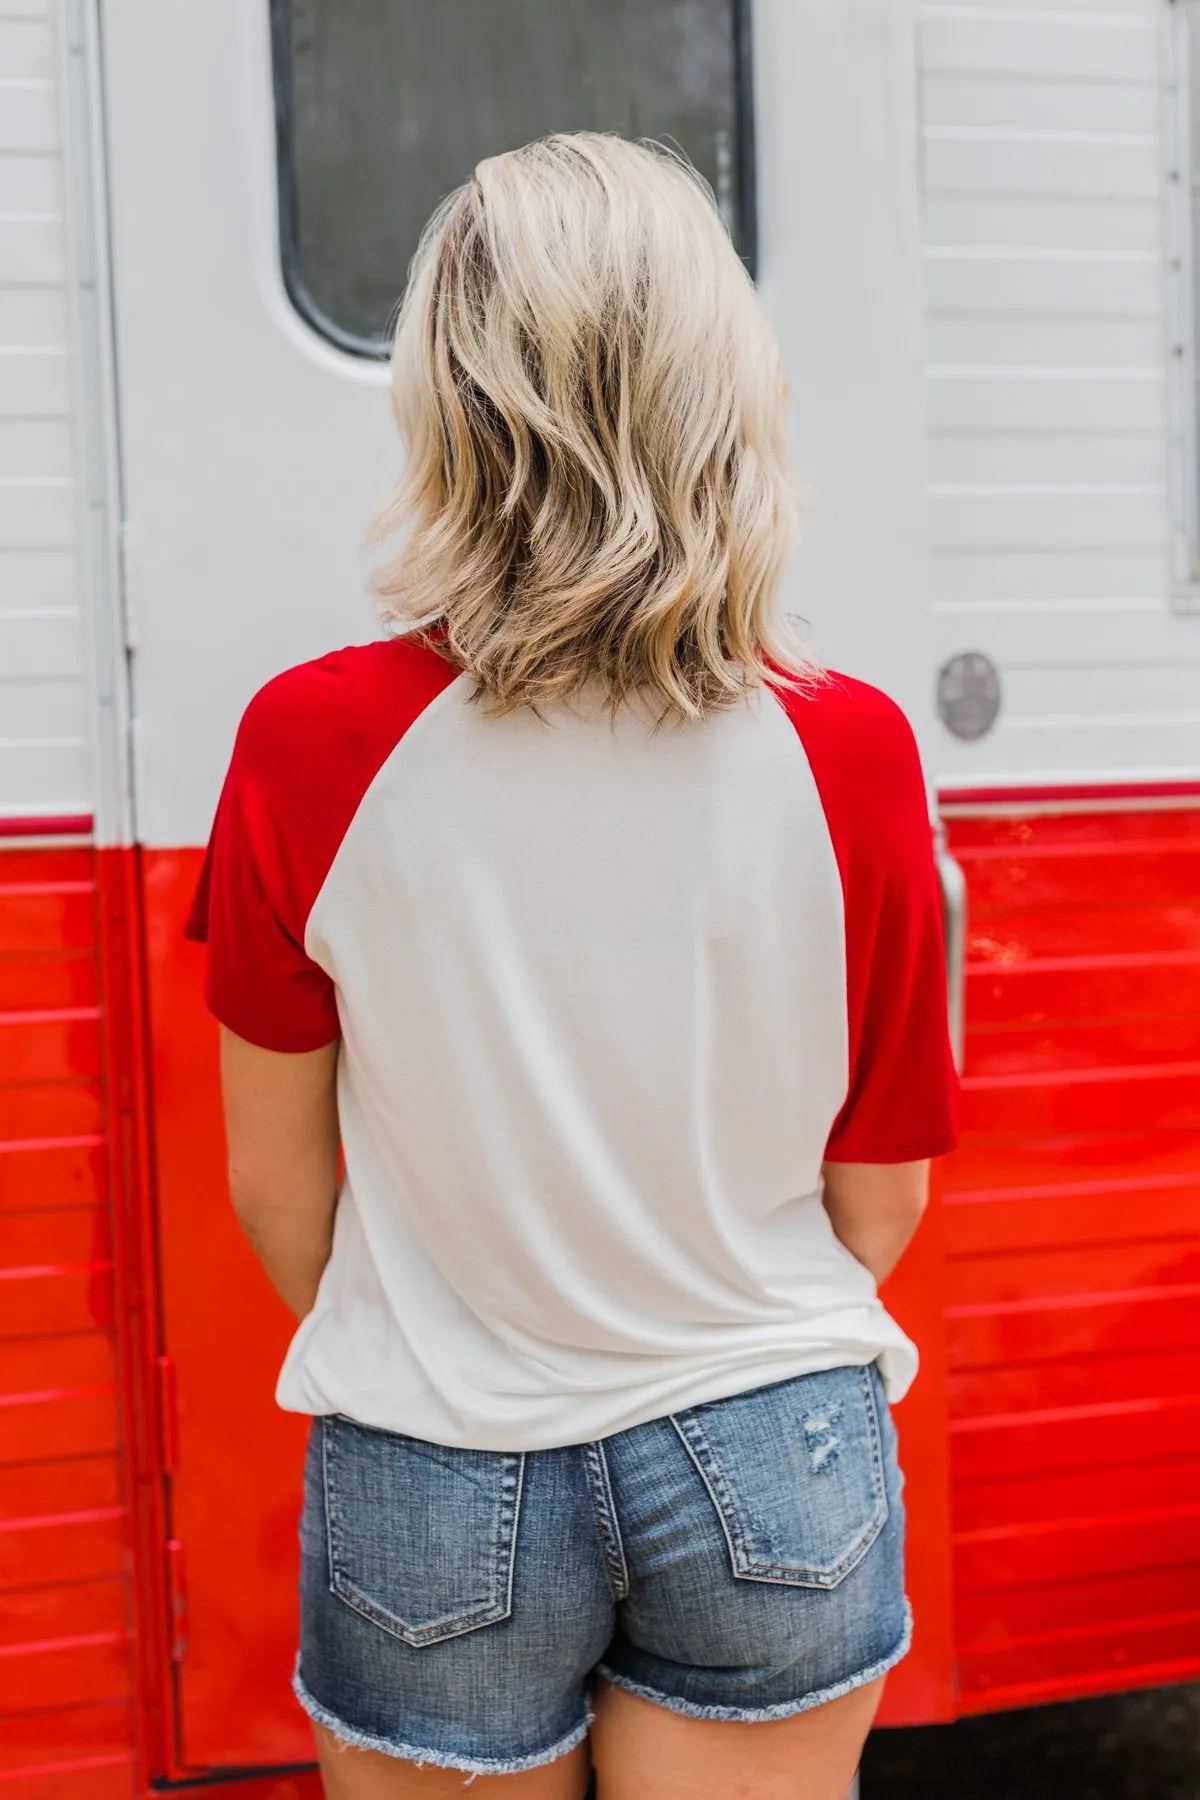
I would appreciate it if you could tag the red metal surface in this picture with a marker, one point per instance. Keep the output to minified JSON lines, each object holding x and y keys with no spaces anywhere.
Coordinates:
{"x":235,"y":1492}
{"x":1105,"y":793}
{"x":67,"y":1686}
{"x":52,"y":825}
{"x":1053,"y":1291}
{"x":1072,"y":1232}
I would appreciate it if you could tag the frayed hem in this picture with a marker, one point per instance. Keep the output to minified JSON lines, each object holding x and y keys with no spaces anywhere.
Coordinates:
{"x":435,"y":1759}
{"x":761,"y":1715}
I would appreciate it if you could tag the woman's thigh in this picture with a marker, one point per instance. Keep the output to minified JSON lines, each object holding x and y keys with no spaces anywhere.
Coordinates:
{"x":644,"y":1752}
{"x":350,"y":1774}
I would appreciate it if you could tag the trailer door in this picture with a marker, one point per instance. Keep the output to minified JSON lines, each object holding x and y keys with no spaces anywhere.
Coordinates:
{"x":269,"y":168}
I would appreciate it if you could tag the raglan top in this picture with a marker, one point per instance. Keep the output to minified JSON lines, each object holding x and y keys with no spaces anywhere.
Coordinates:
{"x":607,"y":998}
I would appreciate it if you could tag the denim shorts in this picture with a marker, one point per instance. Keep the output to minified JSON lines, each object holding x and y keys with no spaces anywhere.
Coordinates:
{"x":737,"y":1560}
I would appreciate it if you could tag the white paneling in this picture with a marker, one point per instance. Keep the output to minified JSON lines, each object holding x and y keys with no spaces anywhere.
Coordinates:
{"x":27,"y":49}
{"x":44,"y":776}
{"x":1056,"y":517}
{"x":1015,"y":397}
{"x":40,"y":646}
{"x":34,"y":382}
{"x":1061,"y":342}
{"x":46,"y":579}
{"x":1061,"y":107}
{"x":1125,"y":9}
{"x":1031,"y":575}
{"x":1066,"y":636}
{"x":1080,"y":285}
{"x":1140,"y":458}
{"x":1043,"y":221}
{"x":1072,"y":747}
{"x":961,"y":162}
{"x":28,"y":116}
{"x":36,"y":709}
{"x":1111,"y":691}
{"x":35,"y":447}
{"x":31,"y":184}
{"x":1009,"y":40}
{"x":37,"y":511}
{"x":35,"y":316}
{"x":45,"y":697}
{"x":32,"y":251}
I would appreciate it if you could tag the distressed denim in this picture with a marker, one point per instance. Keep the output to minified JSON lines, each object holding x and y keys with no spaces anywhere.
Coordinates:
{"x":737,"y":1560}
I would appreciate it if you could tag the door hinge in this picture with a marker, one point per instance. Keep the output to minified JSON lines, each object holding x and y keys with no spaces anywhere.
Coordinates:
{"x":168,"y":1414}
{"x":176,"y":1600}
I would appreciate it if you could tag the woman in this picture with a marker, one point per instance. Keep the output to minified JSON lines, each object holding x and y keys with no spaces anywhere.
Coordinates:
{"x":597,"y":932}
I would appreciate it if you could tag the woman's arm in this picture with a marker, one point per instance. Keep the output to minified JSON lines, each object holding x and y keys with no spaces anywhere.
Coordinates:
{"x":281,"y":1127}
{"x":875,"y":1209}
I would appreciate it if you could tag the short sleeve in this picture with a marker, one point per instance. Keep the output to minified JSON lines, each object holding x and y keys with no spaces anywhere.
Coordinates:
{"x":902,"y":1099}
{"x":249,"y":910}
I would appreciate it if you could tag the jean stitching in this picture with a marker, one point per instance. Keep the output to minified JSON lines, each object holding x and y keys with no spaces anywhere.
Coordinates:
{"x":747,"y":1568}
{"x":607,"y":1524}
{"x":450,"y":1625}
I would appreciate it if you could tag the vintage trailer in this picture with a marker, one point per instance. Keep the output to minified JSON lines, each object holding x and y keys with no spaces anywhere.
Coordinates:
{"x":972,"y":224}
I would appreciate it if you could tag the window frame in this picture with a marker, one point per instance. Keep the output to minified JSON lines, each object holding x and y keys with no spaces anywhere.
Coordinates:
{"x":291,"y":266}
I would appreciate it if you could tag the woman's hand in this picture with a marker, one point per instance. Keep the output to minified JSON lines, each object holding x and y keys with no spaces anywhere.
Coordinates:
{"x":281,"y":1127}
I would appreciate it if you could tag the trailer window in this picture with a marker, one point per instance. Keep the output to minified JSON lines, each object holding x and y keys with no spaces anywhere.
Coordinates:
{"x":384,"y":106}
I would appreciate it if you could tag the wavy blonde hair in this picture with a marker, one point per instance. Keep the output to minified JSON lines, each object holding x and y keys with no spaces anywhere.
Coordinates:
{"x":592,"y":403}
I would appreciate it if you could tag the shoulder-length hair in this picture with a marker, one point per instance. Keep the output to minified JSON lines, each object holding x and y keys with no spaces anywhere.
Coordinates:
{"x":592,"y":403}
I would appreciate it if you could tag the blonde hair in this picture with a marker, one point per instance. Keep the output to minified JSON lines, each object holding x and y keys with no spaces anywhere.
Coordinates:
{"x":592,"y":403}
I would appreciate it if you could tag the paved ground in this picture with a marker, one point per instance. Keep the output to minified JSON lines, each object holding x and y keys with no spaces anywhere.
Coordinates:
{"x":1136,"y":1747}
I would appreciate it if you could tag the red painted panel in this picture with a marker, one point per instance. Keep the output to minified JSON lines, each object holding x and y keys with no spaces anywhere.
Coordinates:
{"x":58,"y":1044}
{"x":80,"y":1543}
{"x":73,"y":1669}
{"x":1007,"y":1616}
{"x":52,"y":1172}
{"x":921,"y":1688}
{"x":234,"y":1683}
{"x":1133,"y":1209}
{"x":52,"y":1111}
{"x":1023,"y":1674}
{"x":76,"y":1297}
{"x":1072,"y":1222}
{"x":70,"y":1482}
{"x":57,"y":1397}
{"x":1073,"y":1382}
{"x":66,"y":1725}
{"x":1136,"y":1432}
{"x":1113,"y":1490}
{"x":46,"y":917}
{"x":100,"y":1729}
{"x":273,"y":1787}
{"x":48,"y":982}
{"x":109,"y":1776}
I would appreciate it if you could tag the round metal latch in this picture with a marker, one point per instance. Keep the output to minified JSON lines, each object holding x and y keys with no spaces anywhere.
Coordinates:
{"x":968,"y":694}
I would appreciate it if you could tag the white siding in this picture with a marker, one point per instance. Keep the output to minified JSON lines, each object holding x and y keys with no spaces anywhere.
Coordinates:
{"x":1049,"y":385}
{"x":45,"y":761}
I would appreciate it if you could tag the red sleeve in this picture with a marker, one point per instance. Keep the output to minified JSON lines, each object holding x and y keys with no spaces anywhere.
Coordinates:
{"x":260,"y":982}
{"x":902,"y":1097}
{"x":308,"y":748}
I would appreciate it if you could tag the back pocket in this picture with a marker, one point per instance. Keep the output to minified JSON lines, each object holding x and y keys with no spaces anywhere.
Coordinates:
{"x":421,"y":1537}
{"x":796,"y":1474}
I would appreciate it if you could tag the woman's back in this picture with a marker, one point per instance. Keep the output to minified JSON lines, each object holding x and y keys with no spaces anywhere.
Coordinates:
{"x":608,"y":996}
